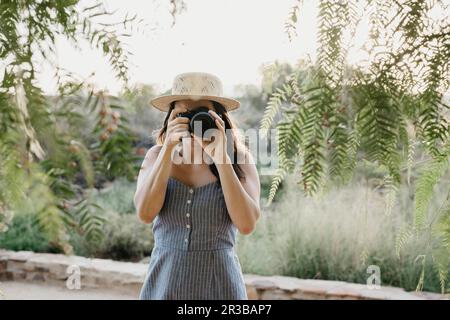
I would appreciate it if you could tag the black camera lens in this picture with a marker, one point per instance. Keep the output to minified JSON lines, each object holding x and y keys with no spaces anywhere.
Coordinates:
{"x":201,"y":116}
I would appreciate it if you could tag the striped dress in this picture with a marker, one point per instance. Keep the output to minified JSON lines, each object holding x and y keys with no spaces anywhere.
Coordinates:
{"x":193,"y":256}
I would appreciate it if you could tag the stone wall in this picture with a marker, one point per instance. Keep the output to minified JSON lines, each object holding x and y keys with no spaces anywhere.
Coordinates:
{"x":128,"y":277}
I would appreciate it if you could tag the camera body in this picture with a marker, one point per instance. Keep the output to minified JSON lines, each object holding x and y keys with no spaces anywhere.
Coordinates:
{"x":202,"y":115}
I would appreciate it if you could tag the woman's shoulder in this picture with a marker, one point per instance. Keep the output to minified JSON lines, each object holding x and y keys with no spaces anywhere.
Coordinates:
{"x":154,"y":149}
{"x":151,"y":155}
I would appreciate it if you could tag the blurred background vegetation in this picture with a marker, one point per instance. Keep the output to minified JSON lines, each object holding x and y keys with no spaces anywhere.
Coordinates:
{"x":69,"y":162}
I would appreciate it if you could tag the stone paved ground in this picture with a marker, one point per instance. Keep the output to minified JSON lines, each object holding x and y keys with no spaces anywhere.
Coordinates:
{"x":13,"y":290}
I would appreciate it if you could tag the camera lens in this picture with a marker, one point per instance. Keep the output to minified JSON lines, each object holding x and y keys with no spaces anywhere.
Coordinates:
{"x":204,"y":119}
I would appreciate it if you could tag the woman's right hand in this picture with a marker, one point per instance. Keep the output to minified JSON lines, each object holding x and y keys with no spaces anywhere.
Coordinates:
{"x":177,"y":128}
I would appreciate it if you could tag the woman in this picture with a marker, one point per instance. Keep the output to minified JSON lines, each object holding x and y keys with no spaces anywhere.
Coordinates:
{"x":197,"y":206}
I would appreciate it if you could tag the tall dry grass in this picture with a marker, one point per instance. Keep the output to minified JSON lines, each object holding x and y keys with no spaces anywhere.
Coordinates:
{"x":335,"y":236}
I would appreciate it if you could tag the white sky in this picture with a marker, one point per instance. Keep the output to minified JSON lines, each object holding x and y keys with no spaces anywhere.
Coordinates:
{"x":232,"y":39}
{"x":229,"y":38}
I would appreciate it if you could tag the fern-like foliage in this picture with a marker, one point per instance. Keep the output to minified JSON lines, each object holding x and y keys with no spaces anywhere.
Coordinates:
{"x":84,"y":217}
{"x":275,"y":102}
{"x":333,"y":114}
{"x":333,"y":18}
{"x":425,"y":184}
{"x":11,"y":181}
{"x":45,"y":159}
{"x":441,"y":253}
{"x":433,"y":226}
{"x":290,"y":24}
{"x":403,"y":237}
{"x":26,"y":185}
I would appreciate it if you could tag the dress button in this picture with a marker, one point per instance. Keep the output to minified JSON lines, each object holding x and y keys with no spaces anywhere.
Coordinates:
{"x":191,"y":190}
{"x":188,"y":226}
{"x":185,"y":239}
{"x":187,"y":215}
{"x":189,"y":201}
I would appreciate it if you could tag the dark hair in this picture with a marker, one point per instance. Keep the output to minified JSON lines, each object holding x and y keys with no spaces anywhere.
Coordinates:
{"x":238,"y":147}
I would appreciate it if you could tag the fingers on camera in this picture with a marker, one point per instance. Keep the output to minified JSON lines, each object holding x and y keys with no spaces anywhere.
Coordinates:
{"x":175,"y":111}
{"x":181,"y":127}
{"x":182,"y":134}
{"x":179,"y":122}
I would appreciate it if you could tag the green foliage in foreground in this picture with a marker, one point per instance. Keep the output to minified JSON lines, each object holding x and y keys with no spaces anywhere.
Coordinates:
{"x":385,"y":110}
{"x":46,"y":157}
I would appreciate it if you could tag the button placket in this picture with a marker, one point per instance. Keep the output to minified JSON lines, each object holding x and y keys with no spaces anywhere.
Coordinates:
{"x":188,"y":215}
{"x":188,"y":205}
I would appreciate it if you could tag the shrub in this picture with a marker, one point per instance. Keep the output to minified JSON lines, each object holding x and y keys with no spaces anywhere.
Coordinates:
{"x":125,"y":238}
{"x":117,"y":197}
{"x":335,"y":237}
{"x":24,"y":233}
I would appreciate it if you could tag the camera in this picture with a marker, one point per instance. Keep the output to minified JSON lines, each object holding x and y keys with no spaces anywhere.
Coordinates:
{"x":199,"y":114}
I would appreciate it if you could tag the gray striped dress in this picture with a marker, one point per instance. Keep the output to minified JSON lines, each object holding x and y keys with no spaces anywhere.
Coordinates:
{"x":193,"y":256}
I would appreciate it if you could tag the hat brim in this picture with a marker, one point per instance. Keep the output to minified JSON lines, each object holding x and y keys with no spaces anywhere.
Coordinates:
{"x":163,"y":102}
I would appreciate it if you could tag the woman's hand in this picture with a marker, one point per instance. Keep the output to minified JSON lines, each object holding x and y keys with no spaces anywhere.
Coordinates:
{"x":177,"y":128}
{"x":216,"y":149}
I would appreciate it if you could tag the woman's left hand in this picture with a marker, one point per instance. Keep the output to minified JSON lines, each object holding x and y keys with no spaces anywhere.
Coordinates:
{"x":216,"y":149}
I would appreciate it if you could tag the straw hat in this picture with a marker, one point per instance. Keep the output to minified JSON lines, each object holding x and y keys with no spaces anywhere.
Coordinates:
{"x":195,"y":86}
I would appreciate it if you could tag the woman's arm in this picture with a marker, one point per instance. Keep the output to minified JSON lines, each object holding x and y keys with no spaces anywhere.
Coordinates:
{"x":155,"y":171}
{"x":151,"y":184}
{"x":242,"y":198}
